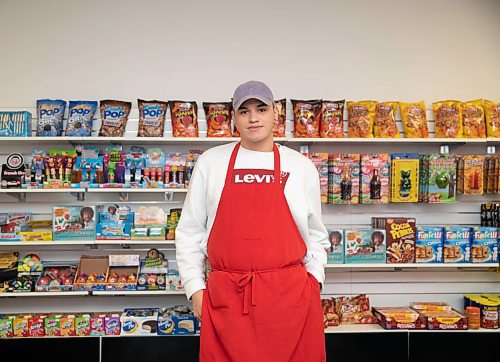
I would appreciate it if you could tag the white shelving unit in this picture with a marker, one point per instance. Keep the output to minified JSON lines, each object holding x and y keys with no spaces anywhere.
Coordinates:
{"x":412,"y":266}
{"x":44,"y":294}
{"x":375,"y":328}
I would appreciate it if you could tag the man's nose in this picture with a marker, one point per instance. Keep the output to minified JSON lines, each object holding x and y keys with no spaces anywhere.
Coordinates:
{"x":254,"y":116}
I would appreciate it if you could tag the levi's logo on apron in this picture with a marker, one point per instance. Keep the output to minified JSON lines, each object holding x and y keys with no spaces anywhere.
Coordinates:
{"x":257,"y":176}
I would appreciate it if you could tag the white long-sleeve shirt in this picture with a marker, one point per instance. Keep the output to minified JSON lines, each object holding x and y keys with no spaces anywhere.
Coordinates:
{"x":302,"y":191}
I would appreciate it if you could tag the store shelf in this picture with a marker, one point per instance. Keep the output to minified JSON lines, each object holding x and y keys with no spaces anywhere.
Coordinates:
{"x":375,"y":328}
{"x":411,"y":266}
{"x":132,"y":293}
{"x":41,"y":191}
{"x":87,"y":242}
{"x":137,"y":293}
{"x":44,"y":294}
{"x":136,"y":190}
{"x":134,"y":242}
{"x":390,"y":140}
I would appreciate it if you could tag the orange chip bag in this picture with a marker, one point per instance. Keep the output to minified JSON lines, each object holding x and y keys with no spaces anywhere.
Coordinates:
{"x":492,"y":112}
{"x":414,"y":119}
{"x":447,"y":119}
{"x":280,"y":123}
{"x":385,"y":120}
{"x":218,"y":117}
{"x":473,"y":119}
{"x":360,"y":117}
{"x":306,"y":117}
{"x":184,"y":118}
{"x":332,"y":119}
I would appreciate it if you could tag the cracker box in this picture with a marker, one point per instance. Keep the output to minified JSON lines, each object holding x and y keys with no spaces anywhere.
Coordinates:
{"x":320,"y":160}
{"x":82,"y":325}
{"x":20,"y":325}
{"x":457,"y":244}
{"x":429,"y":247}
{"x":364,"y":246}
{"x":74,"y":222}
{"x":441,"y":177}
{"x":374,"y":178}
{"x":139,"y":321}
{"x":67,"y":323}
{"x":398,"y":318}
{"x":177,"y":320}
{"x":335,"y":253}
{"x":6,"y":326}
{"x":471,"y":175}
{"x":401,"y":238}
{"x":484,"y":245}
{"x":404,"y":177}
{"x":343,"y":179}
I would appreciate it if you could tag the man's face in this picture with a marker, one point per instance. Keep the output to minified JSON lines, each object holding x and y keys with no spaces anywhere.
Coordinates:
{"x":254,"y":120}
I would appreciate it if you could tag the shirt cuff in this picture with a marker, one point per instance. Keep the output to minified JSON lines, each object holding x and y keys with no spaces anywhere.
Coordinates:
{"x":317,"y":271}
{"x":193,"y":286}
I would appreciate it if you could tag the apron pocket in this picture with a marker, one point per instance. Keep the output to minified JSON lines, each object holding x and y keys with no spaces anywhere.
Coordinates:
{"x":219,"y":286}
{"x":293,"y":288}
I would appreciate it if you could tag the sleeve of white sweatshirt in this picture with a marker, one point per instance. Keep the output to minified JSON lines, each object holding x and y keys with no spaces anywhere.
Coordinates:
{"x":316,"y":257}
{"x":190,"y":232}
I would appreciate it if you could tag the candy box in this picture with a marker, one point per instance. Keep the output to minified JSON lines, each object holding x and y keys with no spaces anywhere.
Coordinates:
{"x":320,"y":160}
{"x":429,"y":245}
{"x":177,"y":320}
{"x":74,"y":222}
{"x":457,"y":244}
{"x":404,"y":177}
{"x":36,"y":325}
{"x":364,"y":246}
{"x":139,"y":321}
{"x":20,"y":325}
{"x":444,"y":319}
{"x":67,"y":323}
{"x":56,"y":278}
{"x":153,"y":271}
{"x":12,"y":223}
{"x":471,"y":175}
{"x":374,"y":178}
{"x":91,"y":273}
{"x":335,"y":254}
{"x":52,"y":325}
{"x":484,"y":244}
{"x":122,"y":272}
{"x":343,"y":178}
{"x":97,"y":324}
{"x":15,"y":124}
{"x":401,"y":237}
{"x":433,"y":306}
{"x":441,"y":180}
{"x":112,"y":326}
{"x":6,"y":326}
{"x":398,"y":318}
{"x":82,"y":325}
{"x":36,"y":235}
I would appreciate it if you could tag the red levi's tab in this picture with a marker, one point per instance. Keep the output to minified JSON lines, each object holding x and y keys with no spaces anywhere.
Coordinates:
{"x":257,"y":176}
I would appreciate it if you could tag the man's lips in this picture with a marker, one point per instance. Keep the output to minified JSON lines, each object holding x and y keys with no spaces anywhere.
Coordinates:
{"x":254,"y":127}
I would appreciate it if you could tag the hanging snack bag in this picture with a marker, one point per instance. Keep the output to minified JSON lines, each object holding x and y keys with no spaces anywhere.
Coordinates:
{"x":218,"y":116}
{"x":80,"y":118}
{"x":473,"y":119}
{"x":114,"y":116}
{"x":447,"y":119}
{"x":280,"y":123}
{"x":306,"y":118}
{"x":50,"y":115}
{"x":184,"y":118}
{"x":385,"y":120}
{"x":492,"y":112}
{"x":414,"y":119}
{"x":332,"y":119}
{"x":151,"y":118}
{"x":360,"y":117}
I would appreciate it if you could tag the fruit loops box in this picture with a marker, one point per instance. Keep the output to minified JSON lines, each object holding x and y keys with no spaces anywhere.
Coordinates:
{"x":457,"y":244}
{"x":364,"y":246}
{"x":401,"y":237}
{"x":484,"y":245}
{"x":73,"y":222}
{"x":335,"y":253}
{"x":374,"y":178}
{"x":404,"y":177}
{"x":320,"y":160}
{"x":343,"y":178}
{"x":429,"y":247}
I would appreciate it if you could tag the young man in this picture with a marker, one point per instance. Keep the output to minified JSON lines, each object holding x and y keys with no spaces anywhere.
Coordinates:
{"x":253,"y":208}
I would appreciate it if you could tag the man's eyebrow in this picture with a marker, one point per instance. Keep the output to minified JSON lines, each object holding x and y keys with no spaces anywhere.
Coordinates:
{"x":262,"y":105}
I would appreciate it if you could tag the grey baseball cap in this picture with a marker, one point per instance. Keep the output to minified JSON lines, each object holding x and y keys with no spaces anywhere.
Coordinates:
{"x":250,"y":90}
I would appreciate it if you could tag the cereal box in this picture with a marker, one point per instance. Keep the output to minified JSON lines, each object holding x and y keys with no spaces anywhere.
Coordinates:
{"x":97,"y":324}
{"x":404,"y":177}
{"x":429,"y":247}
{"x":364,"y":246}
{"x":36,"y":326}
{"x":20,"y":325}
{"x":320,"y":160}
{"x":484,"y":245}
{"x":401,"y":238}
{"x":471,"y":175}
{"x":53,"y":325}
{"x":457,"y":244}
{"x":336,"y":251}
{"x":67,"y":323}
{"x":374,"y":178}
{"x":441,"y":175}
{"x":74,"y":222}
{"x":6,"y":326}
{"x":112,"y":325}
{"x":82,"y":325}
{"x":343,"y":179}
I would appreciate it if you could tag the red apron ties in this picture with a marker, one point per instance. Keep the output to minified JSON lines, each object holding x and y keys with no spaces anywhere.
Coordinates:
{"x":260,"y":303}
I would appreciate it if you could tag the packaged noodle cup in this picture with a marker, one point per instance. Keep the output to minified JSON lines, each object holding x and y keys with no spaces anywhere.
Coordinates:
{"x":447,"y":119}
{"x":385,"y":120}
{"x":473,"y":119}
{"x":360,"y":117}
{"x":492,"y":112}
{"x":414,"y":119}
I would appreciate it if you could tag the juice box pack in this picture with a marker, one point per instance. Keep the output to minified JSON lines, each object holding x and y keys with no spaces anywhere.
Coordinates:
{"x":404,"y":177}
{"x":343,"y":178}
{"x":484,"y":245}
{"x":364,"y":246}
{"x":374,"y":178}
{"x":457,"y":244}
{"x":429,"y":247}
{"x":335,"y":253}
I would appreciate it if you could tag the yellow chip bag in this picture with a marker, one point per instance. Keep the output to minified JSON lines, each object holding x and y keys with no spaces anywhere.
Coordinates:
{"x":447,"y":119}
{"x":414,"y":119}
{"x":492,"y":112}
{"x":360,"y":117}
{"x":385,"y":120}
{"x":473,"y":119}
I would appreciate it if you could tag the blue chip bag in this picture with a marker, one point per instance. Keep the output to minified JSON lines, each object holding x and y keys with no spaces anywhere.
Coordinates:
{"x":80,"y":118}
{"x":50,"y":115}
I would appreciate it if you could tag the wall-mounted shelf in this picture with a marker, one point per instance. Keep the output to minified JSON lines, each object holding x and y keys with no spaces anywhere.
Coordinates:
{"x":87,"y":242}
{"x":412,"y":266}
{"x":133,"y":293}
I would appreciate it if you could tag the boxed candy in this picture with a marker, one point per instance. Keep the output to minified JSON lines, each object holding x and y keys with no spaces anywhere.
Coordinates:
{"x":6,"y":326}
{"x":91,"y":273}
{"x":335,"y":253}
{"x":115,"y":223}
{"x":444,"y":319}
{"x":139,"y":321}
{"x":15,"y":124}
{"x":67,"y":322}
{"x":52,"y":324}
{"x":56,"y":278}
{"x":12,"y":223}
{"x":29,"y":270}
{"x":484,"y":244}
{"x":20,"y":325}
{"x":399,"y":318}
{"x":112,"y":326}
{"x":364,"y":246}
{"x":74,"y":222}
{"x":36,"y":325}
{"x":82,"y":325}
{"x":97,"y":324}
{"x":177,"y":320}
{"x":153,"y":271}
{"x":457,"y":244}
{"x":122,"y":272}
{"x":429,"y":248}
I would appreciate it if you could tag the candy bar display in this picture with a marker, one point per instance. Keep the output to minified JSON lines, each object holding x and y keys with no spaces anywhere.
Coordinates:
{"x":489,"y":308}
{"x":457,"y":243}
{"x":429,"y":244}
{"x":74,"y":222}
{"x":177,"y":320}
{"x":401,"y":237}
{"x":343,"y":178}
{"x":15,"y":124}
{"x":374,"y":188}
{"x":440,"y":316}
{"x":399,"y":318}
{"x":91,"y":273}
{"x":365,"y":246}
{"x":484,"y":245}
{"x":56,"y":278}
{"x":404,"y":177}
{"x":347,"y":310}
{"x":153,"y":271}
{"x":122,"y":272}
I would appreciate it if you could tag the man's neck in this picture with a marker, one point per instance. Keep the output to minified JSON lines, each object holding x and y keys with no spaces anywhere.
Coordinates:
{"x":264,"y":146}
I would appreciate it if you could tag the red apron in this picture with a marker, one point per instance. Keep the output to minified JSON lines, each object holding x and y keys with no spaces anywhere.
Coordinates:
{"x":260,"y":303}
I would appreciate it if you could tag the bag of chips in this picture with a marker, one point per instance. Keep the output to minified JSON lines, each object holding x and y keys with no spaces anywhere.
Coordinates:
{"x":80,"y":118}
{"x":218,"y":116}
{"x":385,"y":120}
{"x":184,"y":118}
{"x":492,"y":112}
{"x":360,"y":117}
{"x":151,"y":118}
{"x":414,"y":119}
{"x":280,"y":123}
{"x":473,"y":119}
{"x":114,"y":117}
{"x":50,"y":116}
{"x":447,"y":119}
{"x":332,"y":119}
{"x":306,"y":118}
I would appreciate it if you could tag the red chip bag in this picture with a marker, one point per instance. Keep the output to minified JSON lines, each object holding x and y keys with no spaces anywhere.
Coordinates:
{"x":280,"y":123}
{"x":306,"y":118}
{"x":184,"y":118}
{"x":332,"y":119}
{"x":218,"y":117}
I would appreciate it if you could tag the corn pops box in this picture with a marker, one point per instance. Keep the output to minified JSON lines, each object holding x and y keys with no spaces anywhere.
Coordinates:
{"x":374,"y":178}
